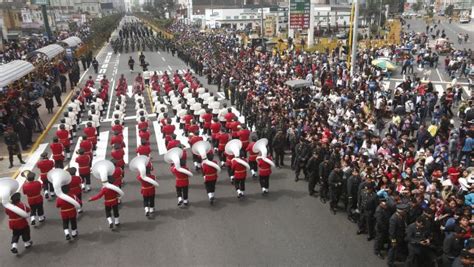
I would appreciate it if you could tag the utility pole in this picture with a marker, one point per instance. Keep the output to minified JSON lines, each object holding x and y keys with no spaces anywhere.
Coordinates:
{"x":44,"y":11}
{"x":261,"y":24}
{"x":354,"y":37}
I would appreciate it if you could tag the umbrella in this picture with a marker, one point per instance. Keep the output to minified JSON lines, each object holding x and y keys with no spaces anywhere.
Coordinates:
{"x":384,"y":64}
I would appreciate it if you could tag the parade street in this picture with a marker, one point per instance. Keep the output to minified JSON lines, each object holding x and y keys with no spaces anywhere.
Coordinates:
{"x":285,"y":228}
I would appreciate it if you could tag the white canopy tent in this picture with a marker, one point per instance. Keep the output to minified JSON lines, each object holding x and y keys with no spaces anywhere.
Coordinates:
{"x":50,"y":51}
{"x":72,"y":41}
{"x":14,"y":71}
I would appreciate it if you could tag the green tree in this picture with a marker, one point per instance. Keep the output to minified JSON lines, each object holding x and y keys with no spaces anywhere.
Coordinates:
{"x":417,"y":6}
{"x":449,"y":10}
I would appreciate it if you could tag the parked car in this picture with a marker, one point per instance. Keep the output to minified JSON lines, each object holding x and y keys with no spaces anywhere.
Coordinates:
{"x":465,"y":19}
{"x":342,"y":35}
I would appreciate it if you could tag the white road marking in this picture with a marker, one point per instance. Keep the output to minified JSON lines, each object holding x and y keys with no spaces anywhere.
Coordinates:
{"x":160,"y":140}
{"x":439,"y":88}
{"x":237,"y":113}
{"x":138,"y":136}
{"x":31,"y":162}
{"x":162,"y":58}
{"x":72,"y":162}
{"x":439,"y":75}
{"x":180,"y":135}
{"x":221,"y":95}
{"x":125,"y":140}
{"x":101,"y":149}
{"x":170,"y":68}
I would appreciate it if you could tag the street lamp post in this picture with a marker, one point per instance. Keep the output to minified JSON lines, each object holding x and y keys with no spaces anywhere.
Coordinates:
{"x":354,"y":37}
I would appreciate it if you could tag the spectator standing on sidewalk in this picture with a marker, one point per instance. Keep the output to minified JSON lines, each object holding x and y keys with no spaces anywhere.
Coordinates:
{"x":11,"y":140}
{"x":57,"y":94}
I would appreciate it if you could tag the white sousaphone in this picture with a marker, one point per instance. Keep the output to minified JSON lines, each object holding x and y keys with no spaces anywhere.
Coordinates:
{"x":138,"y":164}
{"x":8,"y":187}
{"x":233,"y":147}
{"x":60,"y":178}
{"x":173,"y":156}
{"x":201,"y":148}
{"x":101,"y":170}
{"x":261,"y":147}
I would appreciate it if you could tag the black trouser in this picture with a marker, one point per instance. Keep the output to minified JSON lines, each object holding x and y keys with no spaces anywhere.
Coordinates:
{"x":108,"y":211}
{"x":148,"y":202}
{"x":381,"y":238}
{"x":324,"y":189}
{"x":253,"y":165}
{"x":279,"y":156}
{"x":86,"y":178}
{"x":24,"y":233}
{"x":182,"y":192}
{"x":59,"y":164}
{"x":313,"y":180}
{"x":210,"y":186}
{"x":72,"y":221}
{"x":11,"y":154}
{"x":351,"y":205}
{"x":264,"y":181}
{"x":367,"y":223}
{"x":300,"y":166}
{"x":334,"y":194}
{"x":58,"y":99}
{"x":239,"y":184}
{"x":37,"y":209}
{"x":230,"y":171}
{"x":48,"y":186}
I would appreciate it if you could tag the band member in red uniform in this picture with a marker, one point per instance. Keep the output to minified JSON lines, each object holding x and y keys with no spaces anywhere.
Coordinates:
{"x":207,"y":121}
{"x":117,"y":175}
{"x":117,"y":127}
{"x":244,"y":136}
{"x":68,"y":213}
{"x":223,"y":139}
{"x":264,"y":172}
{"x":86,"y":145}
{"x":144,"y":134}
{"x":75,"y":186}
{"x":63,"y":136}
{"x":240,"y":174}
{"x":193,"y":128}
{"x":84,"y":162}
{"x":215,"y":129}
{"x":91,"y":134}
{"x":148,"y":193}
{"x":182,"y":184}
{"x":45,"y":165}
{"x":117,"y":154}
{"x":117,"y":139}
{"x":32,"y":190}
{"x":111,"y":203}
{"x":210,"y":177}
{"x":144,"y":148}
{"x":169,"y":128}
{"x":18,"y":224}
{"x":252,"y":157}
{"x":192,"y":139}
{"x":58,"y":153}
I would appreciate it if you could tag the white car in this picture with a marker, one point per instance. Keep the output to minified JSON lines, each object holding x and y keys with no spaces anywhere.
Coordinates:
{"x":464,"y":20}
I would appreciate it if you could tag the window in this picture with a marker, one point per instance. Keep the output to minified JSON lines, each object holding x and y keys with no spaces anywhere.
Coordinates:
{"x":244,"y":17}
{"x":252,"y":17}
{"x":227,"y":17}
{"x":88,"y":8}
{"x":92,"y":8}
{"x":236,"y":17}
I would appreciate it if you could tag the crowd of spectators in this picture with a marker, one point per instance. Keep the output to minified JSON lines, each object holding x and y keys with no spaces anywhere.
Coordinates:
{"x":397,"y":160}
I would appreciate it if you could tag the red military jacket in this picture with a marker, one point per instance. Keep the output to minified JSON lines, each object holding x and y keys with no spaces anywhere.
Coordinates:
{"x":118,"y":176}
{"x":84,"y":164}
{"x":187,"y":119}
{"x":91,"y":134}
{"x":215,"y":128}
{"x":117,"y":139}
{"x":33,"y":191}
{"x":244,"y":136}
{"x":252,"y":155}
{"x":142,"y":124}
{"x":143,"y":150}
{"x":264,"y":169}
{"x":229,"y":116}
{"x":144,"y":135}
{"x":118,"y":155}
{"x":228,"y":160}
{"x":15,"y":221}
{"x":207,"y":118}
{"x":172,"y":144}
{"x":193,"y":128}
{"x":240,"y":172}
{"x":182,"y":180}
{"x":117,"y":128}
{"x":57,"y":150}
{"x":68,"y":211}
{"x":110,"y":197}
{"x":147,"y":189}
{"x":45,"y":165}
{"x":87,"y":146}
{"x":234,"y":126}
{"x":223,"y":139}
{"x":210,"y":174}
{"x":75,"y":186}
{"x":195,"y":139}
{"x":63,"y":136}
{"x":168,"y":129}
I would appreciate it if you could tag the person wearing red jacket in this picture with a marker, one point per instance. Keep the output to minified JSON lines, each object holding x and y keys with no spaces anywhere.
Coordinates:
{"x":32,"y":190}
{"x":264,"y":172}
{"x":229,"y":116}
{"x":240,"y":174}
{"x":234,"y":127}
{"x":58,"y":153}
{"x":148,"y":192}
{"x":84,"y":162}
{"x":18,"y":224}
{"x":68,"y":213}
{"x":223,"y":139}
{"x":144,"y":134}
{"x":75,"y":186}
{"x":169,"y":128}
{"x":207,"y":121}
{"x":117,"y":154}
{"x":117,"y":127}
{"x":144,"y":148}
{"x":91,"y":135}
{"x":210,"y":177}
{"x":252,"y":157}
{"x":86,"y":145}
{"x":45,"y":165}
{"x":63,"y":136}
{"x":117,"y":139}
{"x":110,"y":202}
{"x":192,"y":139}
{"x":182,"y":184}
{"x":117,"y":175}
{"x":192,"y":128}
{"x":244,"y":135}
{"x":215,"y":129}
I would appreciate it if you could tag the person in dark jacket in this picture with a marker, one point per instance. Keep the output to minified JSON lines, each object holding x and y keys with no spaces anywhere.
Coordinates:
{"x":382,"y":218}
{"x":279,"y":148}
{"x":11,"y":140}
{"x":453,"y":245}
{"x":368,"y":202}
{"x":303,"y":152}
{"x":417,"y":238}
{"x":48,"y":101}
{"x":335,"y":184}
{"x":63,"y":81}
{"x":57,"y":95}
{"x":324,"y":171}
{"x":396,"y":232}
{"x":352,"y":192}
{"x":312,"y":168}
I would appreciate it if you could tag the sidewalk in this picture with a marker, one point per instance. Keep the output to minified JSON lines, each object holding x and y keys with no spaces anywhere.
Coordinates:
{"x":46,"y":118}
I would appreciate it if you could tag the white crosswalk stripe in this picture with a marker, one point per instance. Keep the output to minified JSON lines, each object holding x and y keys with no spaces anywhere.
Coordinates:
{"x":439,"y":88}
{"x":160,"y":141}
{"x":125,"y":140}
{"x":31,"y":162}
{"x":221,"y":95}
{"x":72,"y":162}
{"x":180,"y":134}
{"x":102,"y":145}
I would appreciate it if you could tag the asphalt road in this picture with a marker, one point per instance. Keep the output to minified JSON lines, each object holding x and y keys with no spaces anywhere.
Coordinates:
{"x":285,"y":228}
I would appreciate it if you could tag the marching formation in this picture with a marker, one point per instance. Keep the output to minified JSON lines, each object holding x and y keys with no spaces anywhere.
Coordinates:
{"x":205,"y":126}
